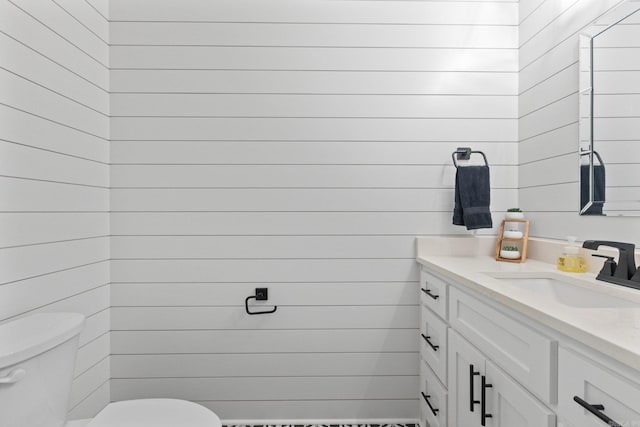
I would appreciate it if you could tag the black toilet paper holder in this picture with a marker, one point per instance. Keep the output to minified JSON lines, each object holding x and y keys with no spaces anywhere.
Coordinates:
{"x":262,"y":294}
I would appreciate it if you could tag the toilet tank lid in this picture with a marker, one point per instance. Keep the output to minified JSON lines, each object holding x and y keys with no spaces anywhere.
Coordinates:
{"x":29,"y":336}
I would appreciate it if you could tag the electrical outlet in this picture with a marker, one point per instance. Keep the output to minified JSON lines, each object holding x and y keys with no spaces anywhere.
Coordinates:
{"x":262,"y":294}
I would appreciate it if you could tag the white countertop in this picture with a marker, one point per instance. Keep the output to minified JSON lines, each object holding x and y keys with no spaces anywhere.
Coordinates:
{"x":612,"y":331}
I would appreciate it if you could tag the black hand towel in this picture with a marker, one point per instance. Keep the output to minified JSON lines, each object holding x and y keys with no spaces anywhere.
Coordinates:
{"x":599,"y":193}
{"x":472,"y":198}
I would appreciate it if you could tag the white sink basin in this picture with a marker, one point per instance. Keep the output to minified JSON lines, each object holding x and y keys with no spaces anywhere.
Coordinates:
{"x":566,"y":292}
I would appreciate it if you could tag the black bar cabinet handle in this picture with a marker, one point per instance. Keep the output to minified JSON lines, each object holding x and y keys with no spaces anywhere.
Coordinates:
{"x":472,"y":373}
{"x":596,"y":410}
{"x":428,"y":292}
{"x":483,"y":405}
{"x":428,"y":340}
{"x":426,"y":399}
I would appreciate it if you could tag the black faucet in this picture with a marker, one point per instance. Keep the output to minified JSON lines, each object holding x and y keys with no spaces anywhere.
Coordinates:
{"x":625,"y":271}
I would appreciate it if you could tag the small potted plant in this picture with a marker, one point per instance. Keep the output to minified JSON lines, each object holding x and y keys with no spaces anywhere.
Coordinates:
{"x":514,"y":213}
{"x":510,"y":252}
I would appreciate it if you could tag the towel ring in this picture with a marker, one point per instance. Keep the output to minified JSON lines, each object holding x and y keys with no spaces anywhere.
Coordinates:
{"x":595,"y":153}
{"x":464,"y":153}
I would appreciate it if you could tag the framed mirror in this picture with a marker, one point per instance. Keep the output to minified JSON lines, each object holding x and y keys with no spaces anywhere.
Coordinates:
{"x":609,"y":148}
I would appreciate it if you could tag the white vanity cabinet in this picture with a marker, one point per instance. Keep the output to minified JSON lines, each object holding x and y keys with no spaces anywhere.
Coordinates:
{"x":485,"y":364}
{"x":483,"y":395}
{"x":454,"y":371}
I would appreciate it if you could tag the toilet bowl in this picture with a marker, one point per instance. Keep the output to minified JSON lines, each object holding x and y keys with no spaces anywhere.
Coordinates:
{"x":37,"y":359}
{"x":151,"y":413}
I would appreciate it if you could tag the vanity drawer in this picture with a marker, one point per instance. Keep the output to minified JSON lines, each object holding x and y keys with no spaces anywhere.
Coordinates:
{"x":525,"y":354}
{"x":432,"y":391}
{"x":595,"y":385}
{"x":433,"y":293}
{"x":433,"y":338}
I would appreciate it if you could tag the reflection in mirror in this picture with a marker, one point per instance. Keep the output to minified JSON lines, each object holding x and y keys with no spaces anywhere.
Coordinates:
{"x":610,"y":114}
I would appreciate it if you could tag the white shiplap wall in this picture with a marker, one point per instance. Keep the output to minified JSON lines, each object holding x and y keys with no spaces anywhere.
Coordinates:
{"x":54,"y":175}
{"x":300,"y":145}
{"x":548,"y":125}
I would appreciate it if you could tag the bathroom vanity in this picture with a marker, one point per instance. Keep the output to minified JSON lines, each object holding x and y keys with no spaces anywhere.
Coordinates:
{"x":524,"y":345}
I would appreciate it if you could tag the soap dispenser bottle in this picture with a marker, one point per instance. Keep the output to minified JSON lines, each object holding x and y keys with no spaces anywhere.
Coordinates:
{"x":571,"y":261}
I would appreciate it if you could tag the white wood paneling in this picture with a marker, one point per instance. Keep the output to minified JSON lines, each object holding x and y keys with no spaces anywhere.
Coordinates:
{"x":265,"y":341}
{"x":552,"y":197}
{"x":327,"y":106}
{"x":67,"y":26}
{"x":288,"y":223}
{"x":23,"y":161}
{"x":27,"y":30}
{"x":18,"y":229}
{"x":93,"y":403}
{"x":300,"y":152}
{"x":258,"y":247}
{"x":316,"y":58}
{"x":37,"y":68}
{"x":302,"y":176}
{"x":300,"y":146}
{"x":317,"y":129}
{"x":24,"y":95}
{"x":101,"y":7}
{"x":298,"y":200}
{"x":314,"y":82}
{"x":555,"y":170}
{"x":54,"y":151}
{"x":25,"y":194}
{"x":270,"y":398}
{"x":225,"y":318}
{"x":557,"y":25}
{"x":97,"y":324}
{"x":25,"y":128}
{"x":556,"y":142}
{"x":91,"y":379}
{"x":257,"y":365}
{"x":261,"y":388}
{"x":305,"y":34}
{"x":287,"y":294}
{"x":548,"y":126}
{"x":88,"y":16}
{"x":318,"y":11}
{"x":265,"y":270}
{"x":92,"y":352}
{"x":37,"y":292}
{"x":555,"y":115}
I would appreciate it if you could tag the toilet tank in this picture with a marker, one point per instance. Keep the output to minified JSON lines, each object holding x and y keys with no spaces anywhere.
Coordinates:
{"x":37,"y":358}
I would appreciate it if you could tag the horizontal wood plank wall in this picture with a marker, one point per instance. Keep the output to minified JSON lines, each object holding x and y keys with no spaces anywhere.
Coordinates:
{"x":548,"y":121}
{"x":299,"y":145}
{"x":54,"y":176}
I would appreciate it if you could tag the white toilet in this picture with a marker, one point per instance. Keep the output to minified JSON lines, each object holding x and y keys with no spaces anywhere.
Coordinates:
{"x":37,"y":357}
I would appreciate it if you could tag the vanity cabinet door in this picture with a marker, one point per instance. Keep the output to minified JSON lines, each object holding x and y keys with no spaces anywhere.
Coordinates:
{"x":522,"y":352}
{"x":510,"y":405}
{"x":610,"y":394}
{"x":503,"y":402}
{"x":466,"y":367}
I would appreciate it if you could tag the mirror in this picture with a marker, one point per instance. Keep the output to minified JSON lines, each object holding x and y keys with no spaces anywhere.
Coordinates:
{"x":610,"y":114}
